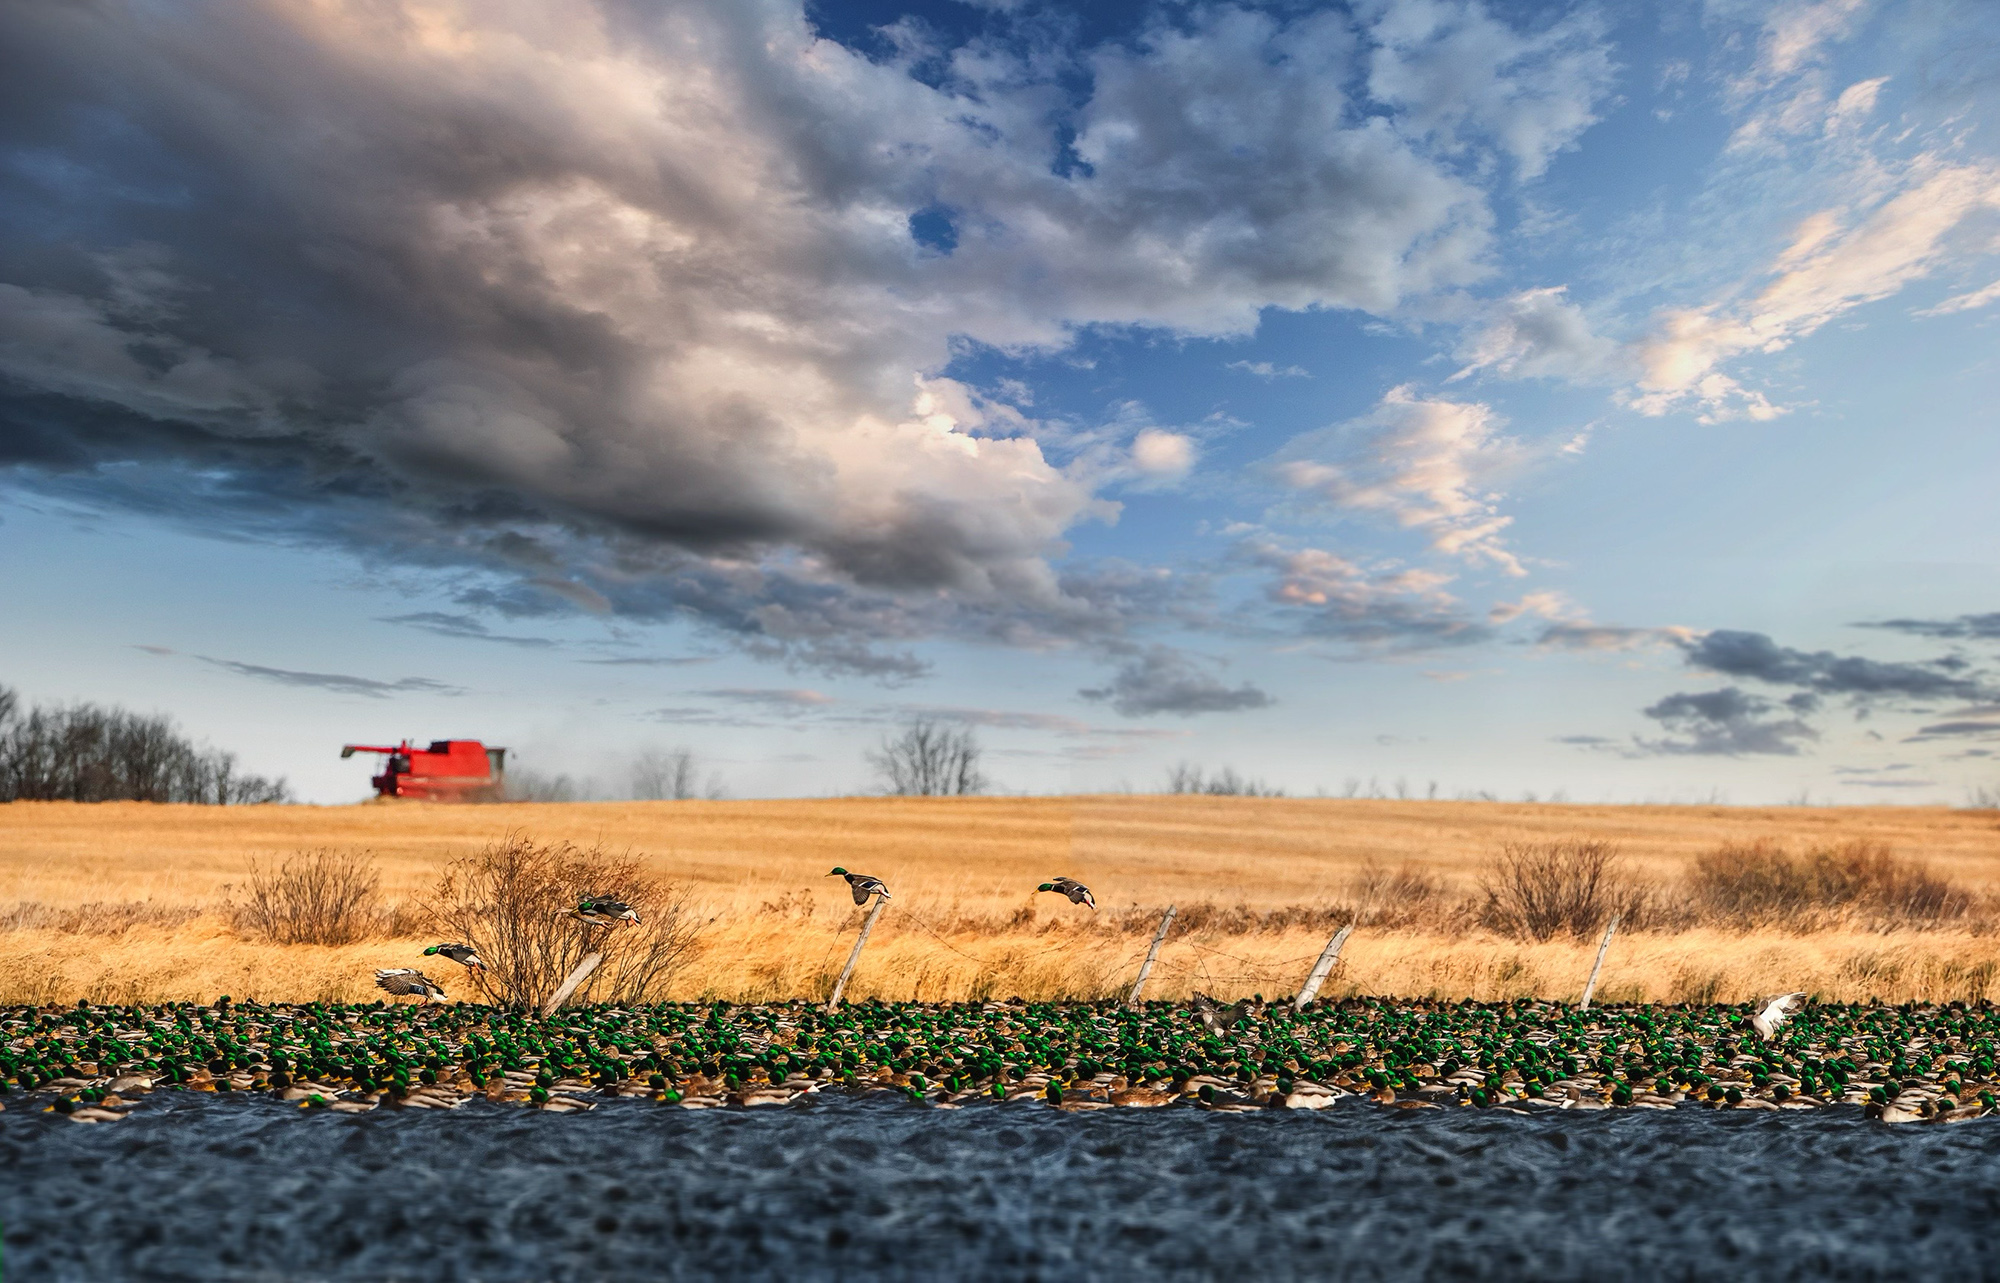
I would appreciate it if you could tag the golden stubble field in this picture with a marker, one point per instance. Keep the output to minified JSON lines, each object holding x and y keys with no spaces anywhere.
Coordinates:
{"x":965,"y":921}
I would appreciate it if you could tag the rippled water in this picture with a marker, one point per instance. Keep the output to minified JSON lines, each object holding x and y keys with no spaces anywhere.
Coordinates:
{"x":204,"y":1188}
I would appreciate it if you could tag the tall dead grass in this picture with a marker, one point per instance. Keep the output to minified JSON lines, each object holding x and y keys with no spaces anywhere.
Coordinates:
{"x":119,"y":901}
{"x":1761,"y":884}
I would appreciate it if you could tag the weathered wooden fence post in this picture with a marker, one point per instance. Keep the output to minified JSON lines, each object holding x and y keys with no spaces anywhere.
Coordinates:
{"x":1598,"y":966}
{"x":568,"y":987}
{"x":1323,"y":968}
{"x":868,"y":925}
{"x":1152,"y":952}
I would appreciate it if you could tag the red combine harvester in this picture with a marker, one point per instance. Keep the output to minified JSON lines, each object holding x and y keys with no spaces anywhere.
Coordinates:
{"x":447,"y":771}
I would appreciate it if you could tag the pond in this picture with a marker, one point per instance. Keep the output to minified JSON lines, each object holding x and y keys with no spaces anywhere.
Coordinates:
{"x":200,"y":1187}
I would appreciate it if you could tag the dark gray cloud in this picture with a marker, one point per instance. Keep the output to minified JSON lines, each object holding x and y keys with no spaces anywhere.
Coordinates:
{"x":1755,"y":656}
{"x":1963,"y":628}
{"x":1976,"y":722}
{"x":651,"y":661}
{"x":465,"y":627}
{"x":339,"y":683}
{"x":619,"y":310}
{"x":1725,"y":723}
{"x":1161,"y":680}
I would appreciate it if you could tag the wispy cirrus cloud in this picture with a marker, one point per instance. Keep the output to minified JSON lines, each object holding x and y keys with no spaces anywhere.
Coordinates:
{"x":336,"y":683}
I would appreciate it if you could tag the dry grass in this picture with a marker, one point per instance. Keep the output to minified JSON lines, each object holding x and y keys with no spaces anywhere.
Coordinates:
{"x":1260,"y":883}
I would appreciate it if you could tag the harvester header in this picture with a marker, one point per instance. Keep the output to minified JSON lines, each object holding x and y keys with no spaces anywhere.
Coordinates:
{"x":447,"y":771}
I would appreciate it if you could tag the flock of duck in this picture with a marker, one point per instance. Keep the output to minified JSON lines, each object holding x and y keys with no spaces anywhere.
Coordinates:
{"x":1933,"y":1063}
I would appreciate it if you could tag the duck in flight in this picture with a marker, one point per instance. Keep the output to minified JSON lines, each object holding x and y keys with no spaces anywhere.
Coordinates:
{"x":603,"y":911}
{"x":1077,"y":892}
{"x":1776,"y":1012}
{"x":405,"y":981}
{"x":462,"y":954}
{"x":862,"y":885}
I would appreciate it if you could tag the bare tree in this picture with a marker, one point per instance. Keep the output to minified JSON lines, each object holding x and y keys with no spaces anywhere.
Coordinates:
{"x":671,"y":775}
{"x":1185,"y":777}
{"x":84,"y":753}
{"x":523,"y":785}
{"x":929,"y":760}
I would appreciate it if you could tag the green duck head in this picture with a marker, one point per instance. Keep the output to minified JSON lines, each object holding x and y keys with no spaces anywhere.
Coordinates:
{"x":837,"y":872}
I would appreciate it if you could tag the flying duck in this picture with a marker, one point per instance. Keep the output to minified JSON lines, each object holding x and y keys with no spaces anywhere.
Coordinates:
{"x":603,"y":911}
{"x":460,"y":953}
{"x":1077,"y":892}
{"x":1217,"y":1019}
{"x":861,"y":884}
{"x":1776,"y":1011}
{"x":408,"y":980}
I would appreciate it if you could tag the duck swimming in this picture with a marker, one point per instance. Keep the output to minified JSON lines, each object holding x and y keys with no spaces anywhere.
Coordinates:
{"x":408,"y":980}
{"x":862,"y":885}
{"x":1077,"y":892}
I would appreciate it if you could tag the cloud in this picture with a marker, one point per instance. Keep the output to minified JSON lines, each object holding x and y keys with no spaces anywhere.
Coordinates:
{"x":1975,"y":722}
{"x":1965,"y":627}
{"x":1266,"y":370}
{"x":1451,"y":69}
{"x":1965,"y":302}
{"x":1724,"y":723}
{"x":622,"y":311}
{"x":1161,"y":680}
{"x":338,"y":683}
{"x":1161,"y":456}
{"x":773,"y":698}
{"x":1797,"y":32}
{"x":462,"y":626}
{"x":1735,"y":653}
{"x":1537,"y":334}
{"x":1839,"y":259}
{"x":651,"y":661}
{"x":1342,"y":600}
{"x":1428,"y":465}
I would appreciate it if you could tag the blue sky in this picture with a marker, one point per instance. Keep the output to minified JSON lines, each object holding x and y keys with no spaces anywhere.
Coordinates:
{"x":1548,"y":399}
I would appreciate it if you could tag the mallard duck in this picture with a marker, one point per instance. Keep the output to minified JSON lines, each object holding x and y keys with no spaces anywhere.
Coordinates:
{"x":1077,"y":892}
{"x":1776,"y":1011}
{"x":862,"y":885}
{"x":1217,"y":1019}
{"x":462,"y":954}
{"x":408,"y":980}
{"x":603,"y":911}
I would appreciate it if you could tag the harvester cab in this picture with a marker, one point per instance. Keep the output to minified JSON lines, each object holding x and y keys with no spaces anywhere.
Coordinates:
{"x":447,"y":771}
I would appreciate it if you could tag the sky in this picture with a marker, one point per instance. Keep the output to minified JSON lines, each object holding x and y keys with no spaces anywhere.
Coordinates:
{"x":1405,"y":397}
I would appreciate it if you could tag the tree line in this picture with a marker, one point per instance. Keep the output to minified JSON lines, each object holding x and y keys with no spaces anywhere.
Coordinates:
{"x":89,"y":753}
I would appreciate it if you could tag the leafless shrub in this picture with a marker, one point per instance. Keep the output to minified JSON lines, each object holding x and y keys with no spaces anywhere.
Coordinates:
{"x":98,"y":918}
{"x":1763,"y":884}
{"x":1542,"y":890}
{"x":511,"y":902}
{"x":313,"y":897}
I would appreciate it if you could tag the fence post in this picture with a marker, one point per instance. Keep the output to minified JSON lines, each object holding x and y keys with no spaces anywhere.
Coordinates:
{"x":1598,"y":966}
{"x":1323,"y":968}
{"x":868,"y":925}
{"x":1152,"y":952}
{"x":576,"y":977}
